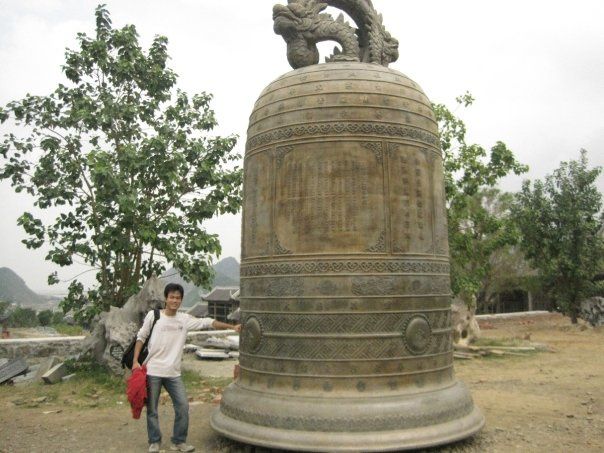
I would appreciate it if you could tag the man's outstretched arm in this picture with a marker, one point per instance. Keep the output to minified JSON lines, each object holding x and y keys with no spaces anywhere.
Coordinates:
{"x":219,"y":325}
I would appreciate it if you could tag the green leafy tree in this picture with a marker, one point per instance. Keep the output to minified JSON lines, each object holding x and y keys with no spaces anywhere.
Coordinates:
{"x":45,"y":317}
{"x":23,"y":317}
{"x":484,"y":245}
{"x":124,"y":157}
{"x":561,"y":222}
{"x":475,"y":231}
{"x":3,"y":307}
{"x":57,"y":318}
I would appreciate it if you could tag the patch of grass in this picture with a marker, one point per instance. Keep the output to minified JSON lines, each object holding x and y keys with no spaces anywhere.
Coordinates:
{"x":79,"y":392}
{"x":66,"y":329}
{"x":28,"y":395}
{"x":191,"y":378}
{"x":91,"y":377}
{"x":220,"y":382}
{"x":92,"y":386}
{"x":204,"y":388}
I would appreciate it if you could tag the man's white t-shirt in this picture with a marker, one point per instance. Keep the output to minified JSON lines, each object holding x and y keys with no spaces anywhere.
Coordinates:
{"x":167,"y":341}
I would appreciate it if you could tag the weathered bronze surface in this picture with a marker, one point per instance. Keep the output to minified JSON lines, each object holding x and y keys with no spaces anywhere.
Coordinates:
{"x":345,"y":292}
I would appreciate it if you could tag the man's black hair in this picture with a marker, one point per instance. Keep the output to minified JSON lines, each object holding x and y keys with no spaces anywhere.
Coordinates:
{"x":172,"y":287}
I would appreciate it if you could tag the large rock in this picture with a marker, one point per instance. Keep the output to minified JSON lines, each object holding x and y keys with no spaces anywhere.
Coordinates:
{"x":115,"y":329}
{"x":12,"y":368}
{"x":464,"y":324}
{"x":592,"y":311}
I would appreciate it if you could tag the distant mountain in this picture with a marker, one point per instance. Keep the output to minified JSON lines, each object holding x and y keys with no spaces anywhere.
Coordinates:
{"x":226,"y":273}
{"x":13,"y":289}
{"x":227,"y":267}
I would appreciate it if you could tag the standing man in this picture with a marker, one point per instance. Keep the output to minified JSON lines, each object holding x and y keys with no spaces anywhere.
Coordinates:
{"x":163,"y":364}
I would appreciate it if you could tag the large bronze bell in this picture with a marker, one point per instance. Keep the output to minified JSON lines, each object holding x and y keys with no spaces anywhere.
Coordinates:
{"x":345,"y":292}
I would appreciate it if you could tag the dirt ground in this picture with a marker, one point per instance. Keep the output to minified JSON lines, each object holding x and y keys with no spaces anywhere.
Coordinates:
{"x":541,"y":402}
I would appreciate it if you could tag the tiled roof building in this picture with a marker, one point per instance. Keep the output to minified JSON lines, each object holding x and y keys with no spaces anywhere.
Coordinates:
{"x":222,"y":301}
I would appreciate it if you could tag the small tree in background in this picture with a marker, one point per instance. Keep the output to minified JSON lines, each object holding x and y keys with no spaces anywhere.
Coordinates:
{"x":484,"y":247}
{"x":23,"y":317}
{"x":57,"y":318}
{"x":3,"y":307}
{"x":45,"y":317}
{"x":475,"y":230}
{"x":124,"y":158}
{"x":561,"y":224}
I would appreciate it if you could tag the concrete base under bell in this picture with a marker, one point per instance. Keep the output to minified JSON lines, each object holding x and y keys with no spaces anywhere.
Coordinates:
{"x":418,"y":420}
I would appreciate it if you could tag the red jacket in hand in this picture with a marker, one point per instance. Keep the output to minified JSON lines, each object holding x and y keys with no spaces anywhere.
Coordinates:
{"x":136,"y":390}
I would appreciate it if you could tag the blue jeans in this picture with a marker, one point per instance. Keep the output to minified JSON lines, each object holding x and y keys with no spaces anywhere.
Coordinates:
{"x":176,"y":390}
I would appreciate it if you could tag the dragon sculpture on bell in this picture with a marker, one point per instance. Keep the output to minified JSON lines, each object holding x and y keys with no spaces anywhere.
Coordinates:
{"x":302,"y":25}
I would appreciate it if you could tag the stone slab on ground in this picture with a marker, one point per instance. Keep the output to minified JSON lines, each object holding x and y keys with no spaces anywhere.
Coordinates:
{"x":216,"y":343}
{"x":521,"y":318}
{"x":28,"y":377}
{"x":211,"y":354}
{"x":46,"y":365}
{"x":189,"y":347}
{"x":12,"y":369}
{"x":513,"y":315}
{"x":55,"y":374}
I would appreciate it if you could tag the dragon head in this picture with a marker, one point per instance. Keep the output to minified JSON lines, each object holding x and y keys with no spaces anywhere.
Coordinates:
{"x":297,"y":17}
{"x":390,"y":51}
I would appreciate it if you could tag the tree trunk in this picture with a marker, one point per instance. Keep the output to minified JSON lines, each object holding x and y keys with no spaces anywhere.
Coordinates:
{"x":574,"y":312}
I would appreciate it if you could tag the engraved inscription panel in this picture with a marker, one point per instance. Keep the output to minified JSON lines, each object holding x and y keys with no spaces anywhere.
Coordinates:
{"x":329,"y":198}
{"x":411,"y":199}
{"x":257,"y":206}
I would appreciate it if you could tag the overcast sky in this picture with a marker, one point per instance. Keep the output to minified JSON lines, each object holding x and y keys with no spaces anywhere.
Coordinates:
{"x":536,"y":69}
